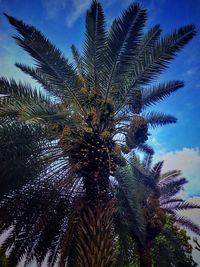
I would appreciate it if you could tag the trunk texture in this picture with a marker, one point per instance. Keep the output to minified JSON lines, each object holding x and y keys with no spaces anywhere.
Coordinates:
{"x":145,"y":255}
{"x":95,"y":235}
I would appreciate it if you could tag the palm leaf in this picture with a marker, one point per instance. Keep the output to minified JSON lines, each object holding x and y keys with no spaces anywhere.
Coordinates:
{"x":67,"y":246}
{"x":42,"y":79}
{"x":171,"y":200}
{"x":145,"y":148}
{"x":180,"y":205}
{"x":124,"y":35}
{"x":147,"y":43}
{"x":128,"y":202}
{"x":142,"y":174}
{"x":78,"y":60}
{"x":152,"y":95}
{"x":147,"y":162}
{"x":170,"y":175}
{"x":171,"y":187}
{"x":35,"y":112}
{"x":39,"y":222}
{"x":94,"y":43}
{"x":155,"y":119}
{"x":20,"y":153}
{"x":28,"y":104}
{"x":156,"y":171}
{"x":188,"y":224}
{"x":19,"y":91}
{"x":153,"y":62}
{"x":49,"y":59}
{"x":165,"y":50}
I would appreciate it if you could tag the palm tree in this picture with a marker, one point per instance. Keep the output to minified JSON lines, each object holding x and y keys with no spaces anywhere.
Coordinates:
{"x":64,"y":206}
{"x":197,"y":245}
{"x":145,"y":197}
{"x":170,"y":185}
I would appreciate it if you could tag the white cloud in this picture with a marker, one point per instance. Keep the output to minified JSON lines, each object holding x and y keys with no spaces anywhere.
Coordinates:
{"x":53,"y":7}
{"x":78,"y":8}
{"x":156,"y":135}
{"x":73,"y":9}
{"x":188,"y":161}
{"x":192,"y":71}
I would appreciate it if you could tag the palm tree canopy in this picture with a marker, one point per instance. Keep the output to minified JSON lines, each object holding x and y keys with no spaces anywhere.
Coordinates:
{"x":71,"y":126}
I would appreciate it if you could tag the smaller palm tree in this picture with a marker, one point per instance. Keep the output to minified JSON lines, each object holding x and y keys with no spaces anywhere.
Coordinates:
{"x":170,"y":185}
{"x":145,"y":197}
{"x":197,"y":244}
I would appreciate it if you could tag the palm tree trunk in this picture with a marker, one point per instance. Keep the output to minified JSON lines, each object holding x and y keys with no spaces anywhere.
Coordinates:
{"x":95,"y":235}
{"x":94,"y":232}
{"x":145,"y":256}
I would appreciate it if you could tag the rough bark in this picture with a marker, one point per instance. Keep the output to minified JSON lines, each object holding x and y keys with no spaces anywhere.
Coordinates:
{"x":145,"y":255}
{"x":95,"y":235}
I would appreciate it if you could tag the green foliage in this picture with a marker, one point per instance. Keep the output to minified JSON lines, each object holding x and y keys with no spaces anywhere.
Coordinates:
{"x":3,"y":261}
{"x":172,"y":248}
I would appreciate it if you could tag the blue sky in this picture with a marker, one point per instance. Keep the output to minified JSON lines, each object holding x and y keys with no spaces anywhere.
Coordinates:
{"x":62,"y":21}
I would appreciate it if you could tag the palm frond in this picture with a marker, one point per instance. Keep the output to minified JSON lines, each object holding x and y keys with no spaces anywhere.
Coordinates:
{"x":78,"y":60}
{"x":145,"y":148}
{"x":49,"y":59}
{"x":197,"y":244}
{"x":180,"y":205}
{"x":67,"y":246}
{"x":153,"y":62}
{"x":147,"y":43}
{"x":128,"y":202}
{"x":27,"y":104}
{"x":35,"y":112}
{"x":164,"y":202}
{"x":19,"y":91}
{"x":170,"y":175}
{"x":94,"y":44}
{"x":20,"y":153}
{"x":154,"y":94}
{"x":165,"y":50}
{"x":155,"y":119}
{"x":123,"y":38}
{"x":37,"y":224}
{"x":43,"y":79}
{"x":156,"y":171}
{"x":188,"y":224}
{"x":141,"y":173}
{"x":172,"y":187}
